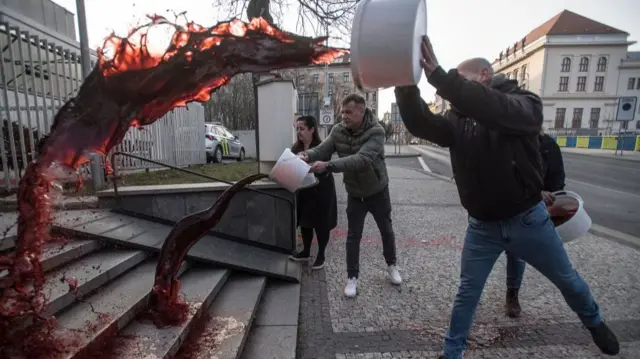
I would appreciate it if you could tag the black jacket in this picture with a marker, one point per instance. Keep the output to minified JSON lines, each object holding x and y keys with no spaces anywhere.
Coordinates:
{"x":316,"y":207}
{"x":552,"y":164}
{"x":492,"y":135}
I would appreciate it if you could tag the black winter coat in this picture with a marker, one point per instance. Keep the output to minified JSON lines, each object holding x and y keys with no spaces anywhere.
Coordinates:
{"x":492,"y":136}
{"x":552,"y":164}
{"x":316,"y":206}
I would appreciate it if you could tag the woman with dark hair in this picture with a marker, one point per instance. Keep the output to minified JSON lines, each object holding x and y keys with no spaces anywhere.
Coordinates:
{"x":316,"y":206}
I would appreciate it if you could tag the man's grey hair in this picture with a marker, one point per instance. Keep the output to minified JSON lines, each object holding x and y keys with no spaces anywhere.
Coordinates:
{"x":479,"y":64}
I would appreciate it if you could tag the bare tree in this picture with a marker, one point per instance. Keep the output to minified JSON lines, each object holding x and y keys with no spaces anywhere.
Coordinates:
{"x":314,"y":16}
{"x":233,"y":104}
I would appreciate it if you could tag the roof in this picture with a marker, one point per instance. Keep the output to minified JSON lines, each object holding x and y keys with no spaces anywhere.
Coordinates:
{"x":566,"y":23}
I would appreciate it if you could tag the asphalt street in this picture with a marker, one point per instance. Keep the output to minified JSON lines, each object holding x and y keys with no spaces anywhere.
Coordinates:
{"x":610,"y":187}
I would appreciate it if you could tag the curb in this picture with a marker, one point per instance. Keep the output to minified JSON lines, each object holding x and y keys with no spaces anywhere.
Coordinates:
{"x":616,"y":236}
{"x":618,"y":158}
{"x":408,"y":155}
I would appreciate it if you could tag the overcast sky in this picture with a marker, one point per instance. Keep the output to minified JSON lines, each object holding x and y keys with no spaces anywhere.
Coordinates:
{"x":459,"y":29}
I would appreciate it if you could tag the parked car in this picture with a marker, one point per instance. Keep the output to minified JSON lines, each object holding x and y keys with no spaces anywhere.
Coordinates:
{"x":221,"y":144}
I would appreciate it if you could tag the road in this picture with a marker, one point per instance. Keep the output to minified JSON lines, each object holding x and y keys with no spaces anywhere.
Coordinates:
{"x":610,"y":187}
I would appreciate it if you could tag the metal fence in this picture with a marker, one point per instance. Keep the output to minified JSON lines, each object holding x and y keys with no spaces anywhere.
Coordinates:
{"x":37,"y":76}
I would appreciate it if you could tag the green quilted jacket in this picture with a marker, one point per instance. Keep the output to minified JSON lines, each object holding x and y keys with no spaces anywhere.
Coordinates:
{"x":361,"y":156}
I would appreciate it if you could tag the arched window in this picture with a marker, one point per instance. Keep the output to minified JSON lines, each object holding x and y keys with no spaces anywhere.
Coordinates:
{"x":566,"y":65}
{"x":584,"y":64}
{"x":602,"y":64}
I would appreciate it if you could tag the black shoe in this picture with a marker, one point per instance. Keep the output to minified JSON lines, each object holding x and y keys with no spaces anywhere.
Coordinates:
{"x":605,"y":339}
{"x":300,"y":257}
{"x":318,"y":264}
{"x":512,"y":305}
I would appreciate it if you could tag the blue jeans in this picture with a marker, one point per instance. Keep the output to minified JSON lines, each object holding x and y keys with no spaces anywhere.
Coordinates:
{"x":515,"y":271}
{"x":530,"y":236}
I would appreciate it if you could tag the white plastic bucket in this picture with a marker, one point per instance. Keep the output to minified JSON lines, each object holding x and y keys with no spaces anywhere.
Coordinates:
{"x":291,"y":172}
{"x":385,"y":43}
{"x":579,"y":223}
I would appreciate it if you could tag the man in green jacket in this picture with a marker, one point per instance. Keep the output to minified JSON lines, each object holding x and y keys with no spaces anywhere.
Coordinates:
{"x":359,"y":142}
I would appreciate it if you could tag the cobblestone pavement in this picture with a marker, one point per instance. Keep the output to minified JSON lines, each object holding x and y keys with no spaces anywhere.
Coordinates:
{"x":408,"y":321}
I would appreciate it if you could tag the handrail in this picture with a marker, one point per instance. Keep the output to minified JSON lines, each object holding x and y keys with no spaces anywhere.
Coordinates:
{"x":115,"y":175}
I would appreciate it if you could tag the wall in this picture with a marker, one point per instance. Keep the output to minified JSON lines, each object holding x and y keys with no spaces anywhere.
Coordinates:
{"x":628,"y":143}
{"x":248,"y":139}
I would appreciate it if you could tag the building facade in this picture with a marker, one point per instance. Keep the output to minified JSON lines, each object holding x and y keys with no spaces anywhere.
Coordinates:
{"x":580,"y":68}
{"x":310,"y":82}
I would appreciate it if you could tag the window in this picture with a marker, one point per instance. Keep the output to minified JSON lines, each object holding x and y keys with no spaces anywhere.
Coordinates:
{"x":345,"y":76}
{"x":373,"y":96}
{"x":576,"y":121}
{"x":300,"y":79}
{"x":631,"y":84}
{"x":582,"y":84}
{"x":595,"y":117}
{"x":523,"y":74}
{"x":315,"y":78}
{"x":637,"y":83}
{"x":584,"y":65}
{"x":515,"y":74}
{"x":599,"y":85}
{"x":637,"y":125}
{"x":602,"y":64}
{"x":330,"y":92}
{"x":566,"y":65}
{"x":330,"y":78}
{"x":508,"y":75}
{"x":564,"y":84}
{"x":560,"y":113}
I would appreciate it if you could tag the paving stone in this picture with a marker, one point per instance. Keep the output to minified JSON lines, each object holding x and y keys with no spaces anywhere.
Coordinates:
{"x":409,"y":321}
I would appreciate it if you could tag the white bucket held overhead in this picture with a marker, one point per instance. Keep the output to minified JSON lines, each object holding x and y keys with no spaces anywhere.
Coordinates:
{"x":579,"y":224}
{"x":291,"y":172}
{"x":385,"y":43}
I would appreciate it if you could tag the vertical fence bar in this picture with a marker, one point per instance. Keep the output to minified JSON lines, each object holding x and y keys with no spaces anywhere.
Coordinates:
{"x":14,"y":76}
{"x":76,"y":72}
{"x":29,"y":141}
{"x":35,"y":93}
{"x":69,"y":75}
{"x":63,"y":68}
{"x":40,"y":46}
{"x":58,"y":85}
{"x":47,"y":48}
{"x":5,"y":99}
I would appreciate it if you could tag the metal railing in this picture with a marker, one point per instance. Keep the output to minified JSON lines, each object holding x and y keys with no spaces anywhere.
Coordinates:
{"x":248,"y":188}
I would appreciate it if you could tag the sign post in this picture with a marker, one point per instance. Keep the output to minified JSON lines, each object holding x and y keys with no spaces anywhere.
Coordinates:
{"x":326,"y":119}
{"x":625,"y":112}
{"x":396,"y":120}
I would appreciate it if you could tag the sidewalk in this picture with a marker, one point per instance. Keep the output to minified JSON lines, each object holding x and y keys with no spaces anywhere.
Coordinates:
{"x":385,"y":321}
{"x":633,"y":156}
{"x":391,"y":151}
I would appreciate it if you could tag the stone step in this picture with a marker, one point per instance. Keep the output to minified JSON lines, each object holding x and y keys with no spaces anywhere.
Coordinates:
{"x":274,"y":332}
{"x":142,"y":339}
{"x":92,"y":322}
{"x":58,"y":254}
{"x":223,"y":330}
{"x":91,"y":272}
{"x":138,"y":233}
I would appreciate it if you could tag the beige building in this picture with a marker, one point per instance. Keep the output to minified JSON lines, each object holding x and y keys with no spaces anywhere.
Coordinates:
{"x":580,"y":68}
{"x":310,"y":83}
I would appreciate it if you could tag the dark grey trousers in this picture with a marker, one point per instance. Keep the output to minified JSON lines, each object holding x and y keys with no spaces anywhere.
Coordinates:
{"x":379,"y":205}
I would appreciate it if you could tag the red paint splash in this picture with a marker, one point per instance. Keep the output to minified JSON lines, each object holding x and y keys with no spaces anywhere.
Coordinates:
{"x":131,"y":86}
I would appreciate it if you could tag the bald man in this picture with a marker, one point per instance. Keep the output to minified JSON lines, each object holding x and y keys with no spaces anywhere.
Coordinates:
{"x":492,"y":134}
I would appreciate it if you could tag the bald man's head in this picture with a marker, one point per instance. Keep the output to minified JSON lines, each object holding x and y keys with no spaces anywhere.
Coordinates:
{"x":476,"y":69}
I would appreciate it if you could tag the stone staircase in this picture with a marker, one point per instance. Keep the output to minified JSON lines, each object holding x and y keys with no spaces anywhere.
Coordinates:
{"x":244,"y":300}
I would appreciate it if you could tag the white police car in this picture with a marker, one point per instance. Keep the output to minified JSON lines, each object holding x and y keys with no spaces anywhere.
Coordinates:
{"x":221,"y":144}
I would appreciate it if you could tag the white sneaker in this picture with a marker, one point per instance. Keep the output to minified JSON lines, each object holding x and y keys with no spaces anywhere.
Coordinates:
{"x":350,"y":288}
{"x":394,"y":275}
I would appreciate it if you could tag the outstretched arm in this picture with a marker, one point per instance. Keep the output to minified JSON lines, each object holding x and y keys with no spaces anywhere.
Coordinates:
{"x":511,"y":113}
{"x":323,"y":151}
{"x":419,"y":120}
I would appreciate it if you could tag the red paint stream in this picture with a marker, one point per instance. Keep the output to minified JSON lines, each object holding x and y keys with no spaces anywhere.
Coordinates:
{"x":131,"y":86}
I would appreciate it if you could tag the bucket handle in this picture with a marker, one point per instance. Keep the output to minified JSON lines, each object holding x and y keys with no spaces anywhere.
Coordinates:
{"x":571,"y":193}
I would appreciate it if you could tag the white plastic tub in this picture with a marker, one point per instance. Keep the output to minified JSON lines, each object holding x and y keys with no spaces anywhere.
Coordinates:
{"x":291,"y":172}
{"x":385,"y":43}
{"x":579,"y":224}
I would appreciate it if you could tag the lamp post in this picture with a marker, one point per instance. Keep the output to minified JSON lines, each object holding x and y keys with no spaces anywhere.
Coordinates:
{"x":97,"y":175}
